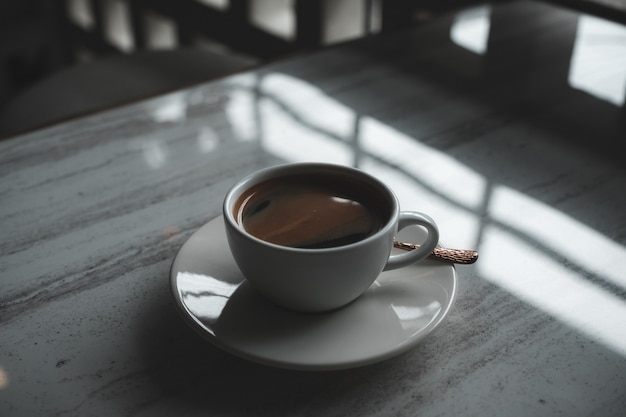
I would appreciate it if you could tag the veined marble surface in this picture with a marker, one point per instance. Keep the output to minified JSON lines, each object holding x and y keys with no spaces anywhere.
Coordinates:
{"x":504,"y":123}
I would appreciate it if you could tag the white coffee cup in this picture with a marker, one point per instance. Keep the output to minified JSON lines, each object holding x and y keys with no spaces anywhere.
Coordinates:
{"x":321,"y":279}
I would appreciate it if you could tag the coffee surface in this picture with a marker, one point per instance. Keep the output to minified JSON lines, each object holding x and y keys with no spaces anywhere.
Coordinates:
{"x":310,"y":211}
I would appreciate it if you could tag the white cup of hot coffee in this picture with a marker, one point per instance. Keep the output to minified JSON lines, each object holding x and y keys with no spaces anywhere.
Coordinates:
{"x":313,"y":237}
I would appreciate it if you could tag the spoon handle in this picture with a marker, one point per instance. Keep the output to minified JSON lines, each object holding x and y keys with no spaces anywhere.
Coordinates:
{"x":457,"y":256}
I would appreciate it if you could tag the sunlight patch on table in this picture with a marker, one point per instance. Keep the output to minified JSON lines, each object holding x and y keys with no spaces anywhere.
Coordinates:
{"x":173,"y":108}
{"x":441,"y":173}
{"x":598,"y":64}
{"x":208,"y":140}
{"x":241,"y":111}
{"x":309,"y":105}
{"x":534,"y":277}
{"x":414,"y":196}
{"x":560,"y":233}
{"x":154,"y":153}
{"x":292,"y":119}
{"x":287,"y":138}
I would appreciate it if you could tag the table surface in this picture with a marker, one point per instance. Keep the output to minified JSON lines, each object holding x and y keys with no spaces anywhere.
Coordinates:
{"x":505,"y":123}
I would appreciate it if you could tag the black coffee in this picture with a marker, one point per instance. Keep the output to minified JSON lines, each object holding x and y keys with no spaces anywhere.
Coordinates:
{"x":312,"y":211}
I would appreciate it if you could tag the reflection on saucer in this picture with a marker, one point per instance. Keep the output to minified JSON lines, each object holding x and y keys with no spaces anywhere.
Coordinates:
{"x":204,"y":296}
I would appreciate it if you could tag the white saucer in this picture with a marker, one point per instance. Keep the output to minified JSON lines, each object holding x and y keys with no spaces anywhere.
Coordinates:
{"x":399,"y":310}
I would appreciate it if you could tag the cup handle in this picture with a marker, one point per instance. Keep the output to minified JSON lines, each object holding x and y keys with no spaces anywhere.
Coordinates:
{"x":409,"y":218}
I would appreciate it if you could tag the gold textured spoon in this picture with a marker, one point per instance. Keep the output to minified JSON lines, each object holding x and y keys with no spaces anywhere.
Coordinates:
{"x":456,"y":256}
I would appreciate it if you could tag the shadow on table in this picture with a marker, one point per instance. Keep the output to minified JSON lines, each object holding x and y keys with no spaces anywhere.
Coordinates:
{"x":192,"y":376}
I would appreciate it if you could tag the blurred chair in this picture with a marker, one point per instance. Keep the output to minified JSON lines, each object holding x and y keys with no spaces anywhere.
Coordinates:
{"x":63,"y":58}
{"x":124,"y":63}
{"x":112,"y":81}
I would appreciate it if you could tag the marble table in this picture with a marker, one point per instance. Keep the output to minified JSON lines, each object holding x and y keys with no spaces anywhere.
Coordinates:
{"x":506,"y":123}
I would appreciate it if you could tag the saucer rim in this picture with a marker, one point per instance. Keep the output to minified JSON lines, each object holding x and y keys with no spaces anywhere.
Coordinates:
{"x":206,"y":334}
